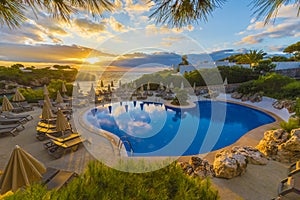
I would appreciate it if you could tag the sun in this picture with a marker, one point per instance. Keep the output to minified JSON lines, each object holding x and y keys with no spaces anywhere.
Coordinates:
{"x":92,"y":60}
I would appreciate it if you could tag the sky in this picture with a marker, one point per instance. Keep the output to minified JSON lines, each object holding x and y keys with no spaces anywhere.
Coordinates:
{"x":127,"y":30}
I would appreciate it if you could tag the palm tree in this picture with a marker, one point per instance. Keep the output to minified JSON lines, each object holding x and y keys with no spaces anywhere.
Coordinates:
{"x":12,"y":12}
{"x":177,"y":13}
{"x":269,"y":8}
{"x":252,"y":57}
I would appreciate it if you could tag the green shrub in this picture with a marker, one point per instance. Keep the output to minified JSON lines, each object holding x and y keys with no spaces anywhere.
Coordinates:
{"x":31,"y":95}
{"x":290,"y":125}
{"x":272,"y":85}
{"x":292,"y":89}
{"x":102,"y":182}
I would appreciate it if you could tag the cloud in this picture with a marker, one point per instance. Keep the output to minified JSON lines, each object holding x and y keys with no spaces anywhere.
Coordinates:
{"x":277,"y":48}
{"x":47,"y":53}
{"x":250,"y":39}
{"x":257,"y":31}
{"x":174,"y":38}
{"x":115,"y":25}
{"x":89,"y":26}
{"x":142,"y":6}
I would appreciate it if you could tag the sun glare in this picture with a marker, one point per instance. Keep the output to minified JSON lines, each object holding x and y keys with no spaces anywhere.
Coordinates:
{"x":92,"y":60}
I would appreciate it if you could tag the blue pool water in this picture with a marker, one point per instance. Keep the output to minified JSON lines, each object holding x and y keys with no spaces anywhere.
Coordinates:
{"x":153,"y":129}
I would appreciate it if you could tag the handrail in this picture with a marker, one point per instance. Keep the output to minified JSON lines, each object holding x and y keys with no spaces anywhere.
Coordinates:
{"x":123,"y":142}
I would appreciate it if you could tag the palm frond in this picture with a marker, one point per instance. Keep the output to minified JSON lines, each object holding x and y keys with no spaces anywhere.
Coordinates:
{"x":269,"y":8}
{"x":177,"y":13}
{"x":11,"y":13}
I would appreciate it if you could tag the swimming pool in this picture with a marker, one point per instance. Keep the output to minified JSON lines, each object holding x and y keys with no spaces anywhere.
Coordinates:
{"x":153,"y":129}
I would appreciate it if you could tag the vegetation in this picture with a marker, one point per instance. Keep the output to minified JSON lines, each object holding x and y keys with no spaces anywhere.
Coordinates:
{"x":293,"y":123}
{"x":32,"y":96}
{"x":180,"y":98}
{"x":173,"y":13}
{"x":102,"y":182}
{"x":295,"y":50}
{"x":264,"y":66}
{"x":252,"y":57}
{"x":37,"y":77}
{"x":272,"y":85}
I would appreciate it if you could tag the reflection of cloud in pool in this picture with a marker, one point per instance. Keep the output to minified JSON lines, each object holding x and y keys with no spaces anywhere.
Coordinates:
{"x":117,"y":111}
{"x":152,"y":108}
{"x":136,"y":128}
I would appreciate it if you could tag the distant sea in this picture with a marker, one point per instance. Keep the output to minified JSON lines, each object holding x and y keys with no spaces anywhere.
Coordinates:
{"x":108,"y":76}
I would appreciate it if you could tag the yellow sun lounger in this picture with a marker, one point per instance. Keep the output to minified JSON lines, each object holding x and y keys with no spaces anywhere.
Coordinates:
{"x":64,"y":138}
{"x":46,"y":125}
{"x":57,"y":149}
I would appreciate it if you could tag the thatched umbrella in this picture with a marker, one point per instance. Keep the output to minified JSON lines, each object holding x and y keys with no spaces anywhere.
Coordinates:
{"x":21,"y":170}
{"x":63,"y":88}
{"x":171,"y":85}
{"x":92,"y":90}
{"x":46,"y":92}
{"x":18,"y":97}
{"x":46,"y":112}
{"x":61,"y":122}
{"x":194,"y":86}
{"x":6,"y":105}
{"x":148,"y":86}
{"x":47,"y":99}
{"x":182,"y":85}
{"x":59,"y":98}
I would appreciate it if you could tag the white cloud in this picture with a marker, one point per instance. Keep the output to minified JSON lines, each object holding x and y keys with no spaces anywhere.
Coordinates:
{"x":257,"y":31}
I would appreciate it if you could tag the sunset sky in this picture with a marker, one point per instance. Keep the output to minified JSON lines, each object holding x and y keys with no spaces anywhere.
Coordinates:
{"x":128,"y":30}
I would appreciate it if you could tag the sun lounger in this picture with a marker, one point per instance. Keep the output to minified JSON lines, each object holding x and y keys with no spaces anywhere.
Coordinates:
{"x":8,"y":130}
{"x":46,"y":125}
{"x":60,"y":179}
{"x":26,"y":106}
{"x":11,"y":121}
{"x":294,"y":168}
{"x":10,"y":115}
{"x":57,"y":149}
{"x":56,"y":178}
{"x":19,"y":127}
{"x":42,"y":133}
{"x":289,"y":188}
{"x":17,"y":107}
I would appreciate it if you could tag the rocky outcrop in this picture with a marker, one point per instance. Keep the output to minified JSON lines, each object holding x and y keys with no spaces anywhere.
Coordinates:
{"x":280,"y":145}
{"x":229,"y":165}
{"x":288,"y":104}
{"x":40,"y":81}
{"x":245,"y":98}
{"x":197,"y":167}
{"x":255,"y":98}
{"x":236,"y":95}
{"x":253,"y":155}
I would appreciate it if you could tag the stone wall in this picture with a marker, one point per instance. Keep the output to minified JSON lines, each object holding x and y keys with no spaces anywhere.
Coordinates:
{"x":293,"y":73}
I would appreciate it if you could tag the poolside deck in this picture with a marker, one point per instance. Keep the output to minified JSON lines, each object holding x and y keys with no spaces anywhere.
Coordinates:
{"x":259,"y":182}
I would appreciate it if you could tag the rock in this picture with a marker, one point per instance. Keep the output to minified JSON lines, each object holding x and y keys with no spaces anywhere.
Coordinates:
{"x":295,"y":132}
{"x":253,"y":155}
{"x":290,"y":150}
{"x":197,"y":167}
{"x":255,"y":98}
{"x":245,"y":98}
{"x":288,"y":104}
{"x":195,"y":162}
{"x":236,"y":95}
{"x":269,"y":144}
{"x":280,"y":145}
{"x":278,"y":105}
{"x":228,"y":165}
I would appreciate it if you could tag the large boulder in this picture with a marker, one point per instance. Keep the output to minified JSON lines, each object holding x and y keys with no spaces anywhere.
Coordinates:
{"x":236,"y":95}
{"x":290,"y":150}
{"x":255,"y":98}
{"x":228,"y":165}
{"x":270,"y":142}
{"x":197,"y":167}
{"x":253,"y":155}
{"x":288,"y":104}
{"x":245,"y":98}
{"x":280,"y":145}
